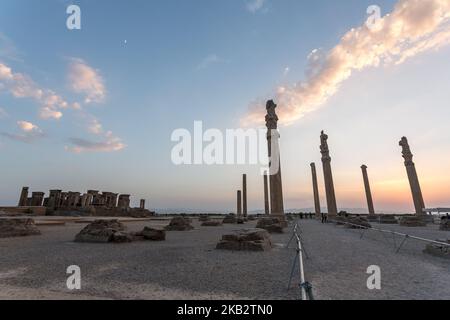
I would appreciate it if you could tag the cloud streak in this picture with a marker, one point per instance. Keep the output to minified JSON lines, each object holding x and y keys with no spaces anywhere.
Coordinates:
{"x":413,"y":27}
{"x":22,"y":86}
{"x":110,"y":143}
{"x":29,"y":132}
{"x":84,"y":79}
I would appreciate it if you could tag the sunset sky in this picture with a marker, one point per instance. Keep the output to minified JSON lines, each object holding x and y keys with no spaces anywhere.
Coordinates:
{"x":95,"y":108}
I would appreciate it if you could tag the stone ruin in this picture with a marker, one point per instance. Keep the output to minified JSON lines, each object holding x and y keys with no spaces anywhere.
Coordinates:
{"x":230,"y":219}
{"x":92,"y":203}
{"x":272,"y":225}
{"x":180,"y":224}
{"x":438,"y":250}
{"x":212,"y":223}
{"x":383,"y":219}
{"x":353,"y":222}
{"x":246,"y":240}
{"x":412,"y":221}
{"x":107,"y":231}
{"x":445,"y":224}
{"x":17,"y":228}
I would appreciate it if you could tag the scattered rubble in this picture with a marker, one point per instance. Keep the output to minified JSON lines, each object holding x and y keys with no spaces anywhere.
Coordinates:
{"x":17,"y":228}
{"x":272,"y":225}
{"x":246,"y":240}
{"x":180,"y":224}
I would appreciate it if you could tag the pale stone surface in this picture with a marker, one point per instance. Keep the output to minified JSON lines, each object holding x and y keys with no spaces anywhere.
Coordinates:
{"x":180,"y":224}
{"x":337,"y":264}
{"x":153,"y":234}
{"x":266,"y":195}
{"x":367,"y":189}
{"x":246,"y":240}
{"x":438,"y":250}
{"x":17,"y":228}
{"x":214,"y":223}
{"x":204,"y":218}
{"x":102,"y":231}
{"x":272,"y":225}
{"x":413,"y":221}
{"x":105,"y":231}
{"x":316,"y":191}
{"x":244,"y":196}
{"x":445,"y":224}
{"x":23,"y":197}
{"x":230,"y":219}
{"x":239,"y":204}
{"x":358,"y":222}
{"x":416,"y":191}
{"x":387,"y":219}
{"x":273,"y":137}
{"x":328,"y":175}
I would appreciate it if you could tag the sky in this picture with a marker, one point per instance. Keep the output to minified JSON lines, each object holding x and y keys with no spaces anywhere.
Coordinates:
{"x":95,"y":108}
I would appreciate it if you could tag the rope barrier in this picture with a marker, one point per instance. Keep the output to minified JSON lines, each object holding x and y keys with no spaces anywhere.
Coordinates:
{"x":394,"y":233}
{"x":305,"y":287}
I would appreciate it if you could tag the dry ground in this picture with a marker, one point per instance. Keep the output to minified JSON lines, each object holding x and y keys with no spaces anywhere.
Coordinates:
{"x":187,"y":266}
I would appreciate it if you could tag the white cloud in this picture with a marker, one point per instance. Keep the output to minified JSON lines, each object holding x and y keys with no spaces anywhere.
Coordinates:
{"x":413,"y":27}
{"x":108,"y":144}
{"x":30,"y":132}
{"x":22,"y":86}
{"x":83,"y":79}
{"x":255,"y":5}
{"x":27,"y":126}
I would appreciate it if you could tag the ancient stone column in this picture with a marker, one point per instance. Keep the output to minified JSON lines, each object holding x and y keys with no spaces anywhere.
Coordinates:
{"x":316,"y":190}
{"x":124,"y":201}
{"x":244,"y":195}
{"x":419,"y":204}
{"x":142,"y":205}
{"x":368,"y":192}
{"x":54,"y":199}
{"x":239,"y":204}
{"x":276,"y":187}
{"x":266,"y":195}
{"x":37,"y":198}
{"x":23,"y":197}
{"x":328,"y":176}
{"x":84,"y":200}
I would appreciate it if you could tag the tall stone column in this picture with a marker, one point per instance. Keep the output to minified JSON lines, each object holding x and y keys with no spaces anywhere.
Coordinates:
{"x":316,"y":190}
{"x":142,"y":205}
{"x":239,"y":204}
{"x":37,"y":198}
{"x":419,"y":204}
{"x":266,"y":195}
{"x":368,"y":191}
{"x":276,"y":186}
{"x":244,"y":195}
{"x":23,"y":197}
{"x":328,"y":175}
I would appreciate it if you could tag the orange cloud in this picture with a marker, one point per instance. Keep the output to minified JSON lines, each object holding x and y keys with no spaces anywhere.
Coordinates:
{"x":413,"y":27}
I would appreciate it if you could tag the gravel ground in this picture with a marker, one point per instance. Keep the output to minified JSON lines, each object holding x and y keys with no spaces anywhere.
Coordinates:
{"x":186,"y":266}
